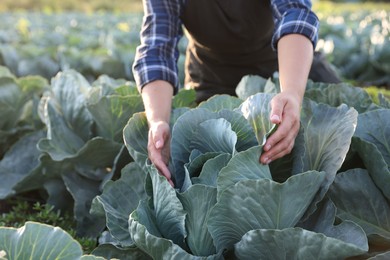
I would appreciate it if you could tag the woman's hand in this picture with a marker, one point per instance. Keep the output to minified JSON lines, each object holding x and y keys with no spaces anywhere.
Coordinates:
{"x":285,"y":112}
{"x":159,"y":148}
{"x":157,"y":98}
{"x":295,"y":55}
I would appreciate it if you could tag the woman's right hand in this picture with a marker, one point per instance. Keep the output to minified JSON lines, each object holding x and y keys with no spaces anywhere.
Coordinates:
{"x":159,"y":148}
{"x":157,"y":98}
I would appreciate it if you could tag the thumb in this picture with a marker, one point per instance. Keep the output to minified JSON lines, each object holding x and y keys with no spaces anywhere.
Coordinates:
{"x":158,"y":140}
{"x":276,"y":110}
{"x":156,"y":137}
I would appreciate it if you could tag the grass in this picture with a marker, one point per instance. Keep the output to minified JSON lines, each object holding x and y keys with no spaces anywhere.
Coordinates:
{"x":21,"y":210}
{"x":374,"y":91}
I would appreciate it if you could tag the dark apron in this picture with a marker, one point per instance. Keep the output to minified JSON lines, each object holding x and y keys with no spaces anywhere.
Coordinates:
{"x":229,"y":39}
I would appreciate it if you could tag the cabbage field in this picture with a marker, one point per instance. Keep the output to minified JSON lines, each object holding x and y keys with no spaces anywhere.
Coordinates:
{"x":356,"y":43}
{"x":73,"y":133}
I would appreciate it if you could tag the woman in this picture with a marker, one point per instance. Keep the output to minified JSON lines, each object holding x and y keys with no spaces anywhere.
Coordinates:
{"x":228,"y":39}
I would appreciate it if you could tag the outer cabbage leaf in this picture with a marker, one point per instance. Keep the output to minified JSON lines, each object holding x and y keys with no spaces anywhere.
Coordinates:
{"x":140,"y":226}
{"x":5,"y":72}
{"x":48,"y":176}
{"x":382,"y":256}
{"x":61,"y":142}
{"x":135,"y":135}
{"x":111,"y":114}
{"x":327,"y":133}
{"x":184,"y":98}
{"x":198,"y":201}
{"x":383,"y":101}
{"x":38,"y":241}
{"x":374,"y":163}
{"x":91,"y":257}
{"x":327,"y":137}
{"x":359,"y":200}
{"x":337,"y":94}
{"x":323,"y":221}
{"x":120,"y":198}
{"x":18,"y":163}
{"x":169,"y":212}
{"x":63,"y":109}
{"x":293,"y":243}
{"x":261,"y":204}
{"x":96,"y":153}
{"x":176,"y":113}
{"x":70,"y":90}
{"x":110,"y":86}
{"x":18,"y":101}
{"x":12,"y":101}
{"x":109,"y":251}
{"x":83,"y":190}
{"x":374,"y":127}
{"x":253,"y":84}
{"x":83,"y":175}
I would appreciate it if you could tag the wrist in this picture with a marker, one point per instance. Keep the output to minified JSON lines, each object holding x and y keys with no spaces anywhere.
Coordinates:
{"x":295,"y":95}
{"x":157,"y":99}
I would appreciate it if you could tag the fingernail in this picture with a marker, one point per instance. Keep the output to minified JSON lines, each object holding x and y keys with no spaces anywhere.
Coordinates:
{"x":275,"y":118}
{"x":265,"y":160}
{"x":267,"y":147}
{"x":158,"y":144}
{"x":268,"y":161}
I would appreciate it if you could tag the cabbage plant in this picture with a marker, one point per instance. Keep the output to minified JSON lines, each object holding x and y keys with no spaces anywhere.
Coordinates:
{"x":19,"y":98}
{"x":328,"y":199}
{"x":39,"y":241}
{"x":78,"y":149}
{"x":310,"y":204}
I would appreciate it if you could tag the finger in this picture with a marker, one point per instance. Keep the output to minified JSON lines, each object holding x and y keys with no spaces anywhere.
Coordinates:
{"x":285,"y":129}
{"x":280,"y":153}
{"x":157,"y":158}
{"x":283,"y":146}
{"x":157,"y":137}
{"x":277,"y":106}
{"x":163,"y":169}
{"x":279,"y":150}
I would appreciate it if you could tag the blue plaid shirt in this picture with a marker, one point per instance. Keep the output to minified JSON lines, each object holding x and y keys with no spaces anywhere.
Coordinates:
{"x":157,"y":55}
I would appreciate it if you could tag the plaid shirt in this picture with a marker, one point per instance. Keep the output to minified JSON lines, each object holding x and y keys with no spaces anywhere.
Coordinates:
{"x":157,"y":55}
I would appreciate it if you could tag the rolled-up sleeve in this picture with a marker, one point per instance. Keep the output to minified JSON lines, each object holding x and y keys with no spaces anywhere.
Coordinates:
{"x":156,"y":56}
{"x":294,"y":17}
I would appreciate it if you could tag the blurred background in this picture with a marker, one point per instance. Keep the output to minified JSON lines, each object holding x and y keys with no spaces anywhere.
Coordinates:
{"x":95,"y":37}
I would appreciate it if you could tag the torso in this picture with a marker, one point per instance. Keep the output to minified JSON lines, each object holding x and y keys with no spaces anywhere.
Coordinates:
{"x":227,"y":40}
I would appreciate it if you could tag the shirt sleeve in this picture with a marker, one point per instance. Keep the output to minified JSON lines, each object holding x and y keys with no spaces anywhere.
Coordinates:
{"x":294,"y":17}
{"x":156,"y":56}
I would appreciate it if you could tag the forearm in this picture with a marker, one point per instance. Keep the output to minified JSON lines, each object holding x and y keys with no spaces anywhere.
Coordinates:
{"x":157,"y":98}
{"x":295,"y":56}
